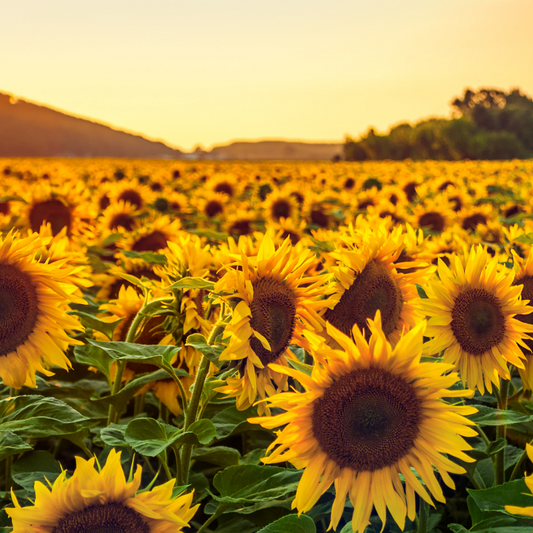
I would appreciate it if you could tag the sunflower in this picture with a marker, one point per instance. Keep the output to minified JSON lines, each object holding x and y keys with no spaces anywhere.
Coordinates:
{"x":102,"y":500}
{"x":280,"y":204}
{"x":274,"y":303}
{"x":471,"y":311}
{"x":368,"y":279}
{"x":120,"y":217}
{"x":370,"y":414}
{"x":62,"y":206}
{"x":524,"y":277}
{"x":133,"y":192}
{"x":33,"y":311}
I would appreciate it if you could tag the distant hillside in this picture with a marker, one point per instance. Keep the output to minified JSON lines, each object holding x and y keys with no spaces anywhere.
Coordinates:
{"x":275,"y":150}
{"x":30,"y":130}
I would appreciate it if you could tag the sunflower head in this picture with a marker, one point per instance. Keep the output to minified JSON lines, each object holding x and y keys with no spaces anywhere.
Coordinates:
{"x":471,"y":310}
{"x":102,"y":501}
{"x":368,"y":415}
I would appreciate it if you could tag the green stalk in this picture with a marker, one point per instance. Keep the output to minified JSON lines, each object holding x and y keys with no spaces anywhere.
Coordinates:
{"x":191,"y":415}
{"x":499,"y":464}
{"x":220,"y":511}
{"x":423,"y":516}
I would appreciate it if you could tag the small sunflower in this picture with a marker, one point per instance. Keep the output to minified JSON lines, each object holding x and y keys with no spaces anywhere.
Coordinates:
{"x":119,"y":217}
{"x":524,"y":277}
{"x":34,"y":300}
{"x":275,"y":302}
{"x":102,"y":501}
{"x":369,"y":414}
{"x":471,"y":311}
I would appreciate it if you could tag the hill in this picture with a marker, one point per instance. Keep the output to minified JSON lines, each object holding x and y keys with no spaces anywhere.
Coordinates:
{"x":279,"y":150}
{"x":30,"y":130}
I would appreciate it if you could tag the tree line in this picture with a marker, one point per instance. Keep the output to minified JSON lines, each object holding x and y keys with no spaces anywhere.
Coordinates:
{"x":487,"y":124}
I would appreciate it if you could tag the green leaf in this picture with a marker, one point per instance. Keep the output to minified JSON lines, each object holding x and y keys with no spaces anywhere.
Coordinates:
{"x":500,"y":524}
{"x":524,"y":239}
{"x":495,"y":498}
{"x":193,"y":283}
{"x":94,"y":356}
{"x":39,"y":416}
{"x":90,"y":321}
{"x":204,"y":430}
{"x":199,"y":342}
{"x":217,"y":455}
{"x":421,"y":291}
{"x":12,"y":199}
{"x":11,"y":444}
{"x":129,"y":390}
{"x":302,"y":367}
{"x":35,"y":466}
{"x":152,"y":354}
{"x":455,"y":528}
{"x":291,"y":523}
{"x":113,"y":435}
{"x":249,"y":487}
{"x":150,"y":437}
{"x":231,"y":420}
{"x":148,"y":257}
{"x":488,"y":416}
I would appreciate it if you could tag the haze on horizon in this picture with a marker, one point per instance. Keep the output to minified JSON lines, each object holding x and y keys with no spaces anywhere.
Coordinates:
{"x":209,"y":72}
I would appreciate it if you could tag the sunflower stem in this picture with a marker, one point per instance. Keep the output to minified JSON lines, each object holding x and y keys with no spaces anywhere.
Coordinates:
{"x":220,"y":511}
{"x":499,"y":464}
{"x":138,"y":407}
{"x":423,"y":516}
{"x":517,"y":470}
{"x":9,"y":462}
{"x":164,"y":462}
{"x":192,"y":409}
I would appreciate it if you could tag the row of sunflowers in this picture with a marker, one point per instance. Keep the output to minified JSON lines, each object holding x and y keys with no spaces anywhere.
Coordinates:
{"x":266,"y":347}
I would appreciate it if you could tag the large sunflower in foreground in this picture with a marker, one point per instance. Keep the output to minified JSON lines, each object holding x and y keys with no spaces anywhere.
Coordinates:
{"x":33,"y":311}
{"x":102,"y":501}
{"x":369,"y":414}
{"x":274,"y":303}
{"x":471,"y":310}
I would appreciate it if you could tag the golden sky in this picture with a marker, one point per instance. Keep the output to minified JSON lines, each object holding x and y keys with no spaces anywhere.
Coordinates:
{"x":207,"y":72}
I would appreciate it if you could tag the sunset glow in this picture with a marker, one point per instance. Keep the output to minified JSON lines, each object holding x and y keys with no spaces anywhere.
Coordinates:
{"x":207,"y":72}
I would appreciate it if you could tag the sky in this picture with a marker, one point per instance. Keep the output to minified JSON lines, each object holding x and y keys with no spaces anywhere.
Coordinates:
{"x":207,"y":72}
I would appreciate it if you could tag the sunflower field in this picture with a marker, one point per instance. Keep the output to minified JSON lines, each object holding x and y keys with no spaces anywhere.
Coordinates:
{"x":219,"y":347}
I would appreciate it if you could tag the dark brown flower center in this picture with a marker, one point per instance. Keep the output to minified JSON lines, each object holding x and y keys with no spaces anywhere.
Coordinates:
{"x":273,"y":316}
{"x":527,"y":294}
{"x":213,"y":208}
{"x":4,"y":208}
{"x":241,"y":227}
{"x":154,"y":241}
{"x":18,"y":308}
{"x":131,"y":196}
{"x":52,"y":211}
{"x":107,"y":518}
{"x":224,"y":187}
{"x":432,"y":220}
{"x":478,"y":323}
{"x":374,"y":288}
{"x":122,"y":220}
{"x":281,"y":209}
{"x":471,"y":222}
{"x":319,"y":218}
{"x":367,"y":419}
